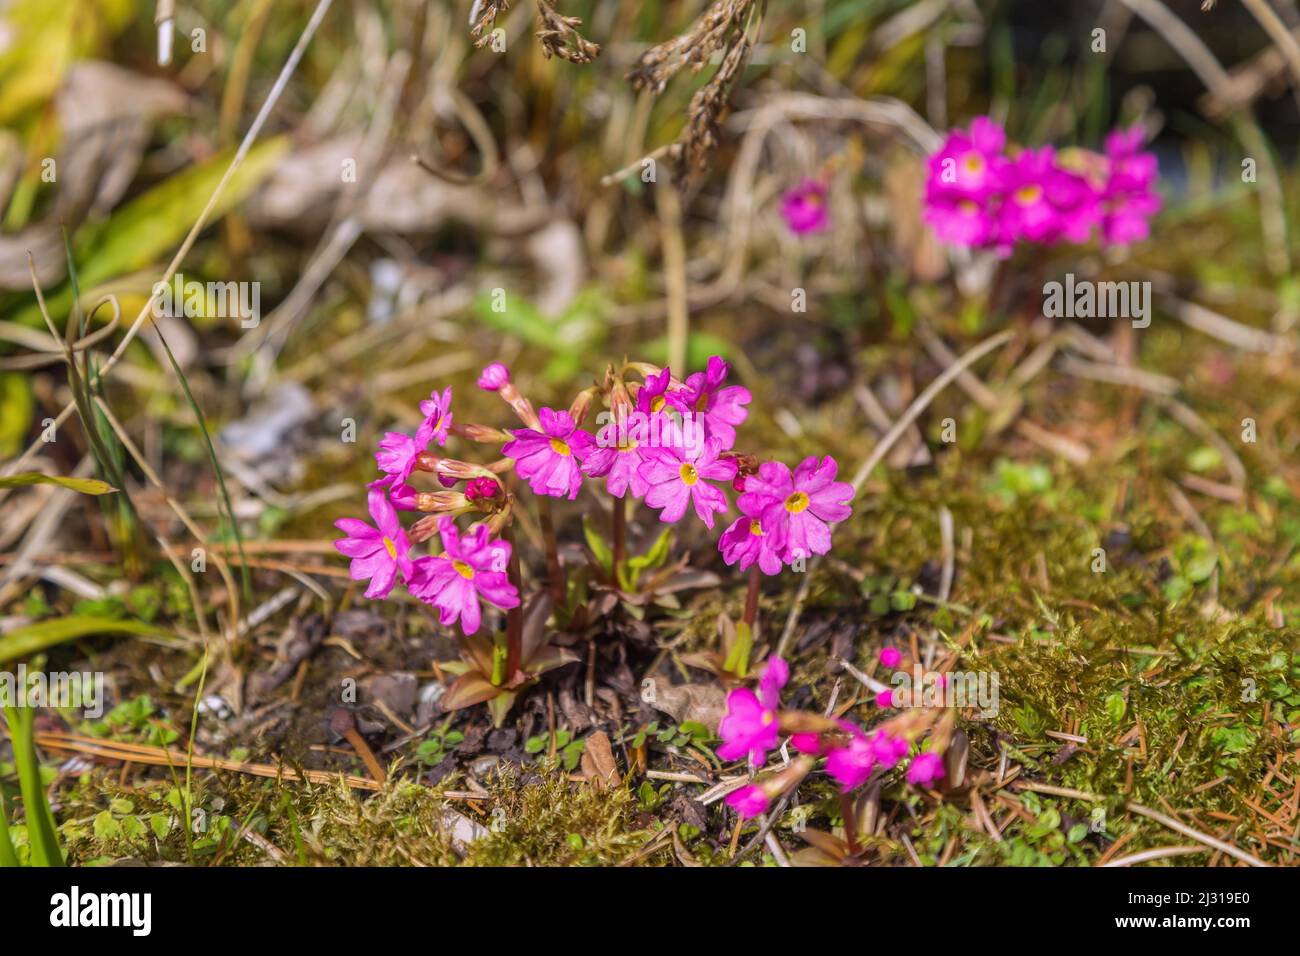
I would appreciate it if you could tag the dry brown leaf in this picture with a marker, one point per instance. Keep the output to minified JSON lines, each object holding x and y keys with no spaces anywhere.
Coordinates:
{"x":598,"y":765}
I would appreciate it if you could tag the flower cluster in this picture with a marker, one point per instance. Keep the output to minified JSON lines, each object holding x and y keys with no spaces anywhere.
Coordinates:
{"x":677,"y":454}
{"x":982,"y":195}
{"x":471,"y":567}
{"x":753,"y":724}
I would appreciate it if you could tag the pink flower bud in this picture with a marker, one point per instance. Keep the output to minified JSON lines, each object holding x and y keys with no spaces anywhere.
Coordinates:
{"x":891,"y":656}
{"x":885,"y":699}
{"x":493,"y":377}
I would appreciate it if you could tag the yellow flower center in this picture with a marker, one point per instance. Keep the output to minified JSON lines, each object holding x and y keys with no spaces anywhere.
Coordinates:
{"x":688,"y":473}
{"x":627,"y":445}
{"x":703,"y":403}
{"x":657,"y":403}
{"x":968,"y":207}
{"x":1029,"y":194}
{"x":973,"y":163}
{"x":560,"y":447}
{"x":796,"y":503}
{"x":768,"y":717}
{"x":756,"y":529}
{"x":392,"y":548}
{"x":464,"y":570}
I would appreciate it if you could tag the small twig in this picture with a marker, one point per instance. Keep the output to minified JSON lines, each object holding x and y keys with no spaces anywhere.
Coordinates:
{"x":1159,"y":853}
{"x":1185,"y":830}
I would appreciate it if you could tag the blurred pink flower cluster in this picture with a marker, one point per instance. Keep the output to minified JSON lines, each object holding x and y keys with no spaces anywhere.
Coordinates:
{"x":981,"y":195}
{"x":751,"y":727}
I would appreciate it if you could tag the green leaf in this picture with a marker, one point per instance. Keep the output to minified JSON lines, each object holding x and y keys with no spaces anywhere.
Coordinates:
{"x":700,"y":347}
{"x":8,"y":855}
{"x":161,"y":824}
{"x":106,"y":827}
{"x":902,"y":601}
{"x":25,"y":641}
{"x":86,"y":486}
{"x":1199,"y":568}
{"x":1116,"y":707}
{"x":654,"y":558}
{"x":16,"y":407}
{"x":42,"y":831}
{"x":604,"y":556}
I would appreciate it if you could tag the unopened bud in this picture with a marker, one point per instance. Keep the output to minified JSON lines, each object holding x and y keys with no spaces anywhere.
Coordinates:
{"x":493,"y":377}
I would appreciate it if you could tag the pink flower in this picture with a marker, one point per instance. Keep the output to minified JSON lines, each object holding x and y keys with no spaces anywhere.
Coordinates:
{"x":749,"y":801}
{"x":550,"y":460}
{"x":1045,"y":202}
{"x":678,"y":477}
{"x":377,"y":553}
{"x":470,"y":567}
{"x":721,"y":409}
{"x":852,"y":764}
{"x":749,"y":727}
{"x":1128,"y":198}
{"x":436,"y":410}
{"x":804,"y":207}
{"x":808,"y":743}
{"x":885,"y":699}
{"x":888,"y":750}
{"x":402,"y":495}
{"x":651,"y":397}
{"x":1027,"y":212}
{"x":961,"y":221}
{"x":745,"y":542}
{"x":795,"y":508}
{"x":493,"y":377}
{"x":891,"y":656}
{"x":964,"y":187}
{"x":925,"y":769}
{"x":620,"y":466}
{"x":969,"y":166}
{"x":815,"y":744}
{"x":616,"y":456}
{"x":397,"y":455}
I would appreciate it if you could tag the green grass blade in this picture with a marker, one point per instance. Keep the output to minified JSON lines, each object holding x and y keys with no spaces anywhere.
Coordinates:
{"x":42,"y":832}
{"x":8,"y":855}
{"x":27,"y":640}
{"x":226,"y":510}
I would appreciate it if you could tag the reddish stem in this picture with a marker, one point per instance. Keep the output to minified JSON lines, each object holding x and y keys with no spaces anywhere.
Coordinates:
{"x":620,"y":534}
{"x":751,"y":598}
{"x":850,"y":823}
{"x":515,"y":615}
{"x":554,"y":569}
